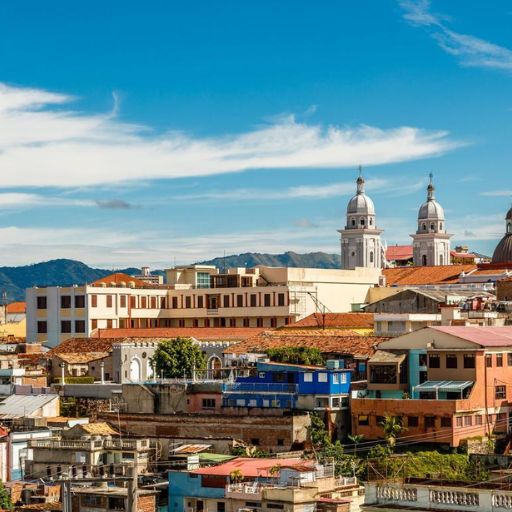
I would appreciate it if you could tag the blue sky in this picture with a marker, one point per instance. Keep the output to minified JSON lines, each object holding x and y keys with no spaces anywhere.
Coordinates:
{"x":171,"y":131}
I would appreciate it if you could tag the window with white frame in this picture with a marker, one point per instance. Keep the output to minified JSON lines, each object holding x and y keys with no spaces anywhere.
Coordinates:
{"x":335,"y":378}
{"x":343,"y":378}
{"x":308,"y":377}
{"x":322,"y":377}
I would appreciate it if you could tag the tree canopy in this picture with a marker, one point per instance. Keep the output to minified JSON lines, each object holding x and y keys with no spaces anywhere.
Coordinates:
{"x":177,"y":358}
{"x":296,"y":355}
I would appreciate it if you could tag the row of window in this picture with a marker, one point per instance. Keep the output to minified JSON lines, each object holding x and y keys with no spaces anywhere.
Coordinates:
{"x":66,"y":302}
{"x":430,"y":421}
{"x":452,"y":361}
{"x":65,"y":326}
{"x":182,"y":302}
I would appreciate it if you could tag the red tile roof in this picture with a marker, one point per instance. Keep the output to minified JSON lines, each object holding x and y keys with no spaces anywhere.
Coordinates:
{"x":83,"y":345}
{"x":442,"y":274}
{"x":199,"y":333}
{"x":16,"y":308}
{"x":119,"y":278}
{"x":399,"y":252}
{"x":465,"y":255}
{"x":338,"y":320}
{"x":249,"y":467}
{"x":327,"y":341}
{"x":484,"y":336}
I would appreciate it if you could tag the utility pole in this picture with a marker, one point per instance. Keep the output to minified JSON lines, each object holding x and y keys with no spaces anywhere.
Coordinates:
{"x":133,"y":484}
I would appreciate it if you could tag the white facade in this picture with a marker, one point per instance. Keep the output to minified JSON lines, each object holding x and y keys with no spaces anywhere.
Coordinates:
{"x":260,"y":297}
{"x":431,"y":242}
{"x":360,"y":240}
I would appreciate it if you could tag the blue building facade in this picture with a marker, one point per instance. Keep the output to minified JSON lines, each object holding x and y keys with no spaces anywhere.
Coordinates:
{"x":183,"y":484}
{"x":290,"y":386}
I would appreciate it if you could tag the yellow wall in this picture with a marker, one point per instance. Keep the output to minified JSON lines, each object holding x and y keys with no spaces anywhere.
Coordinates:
{"x":18,"y":329}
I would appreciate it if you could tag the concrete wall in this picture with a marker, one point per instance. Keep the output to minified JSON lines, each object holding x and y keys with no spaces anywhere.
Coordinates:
{"x":274,"y":433}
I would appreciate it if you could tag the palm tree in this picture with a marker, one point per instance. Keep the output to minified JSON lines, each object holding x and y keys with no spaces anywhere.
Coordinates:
{"x":392,"y":427}
{"x":355,"y":439}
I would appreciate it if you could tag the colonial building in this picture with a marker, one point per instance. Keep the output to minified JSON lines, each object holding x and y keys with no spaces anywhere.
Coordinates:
{"x":360,"y":240}
{"x":194,"y":296}
{"x":431,"y":242}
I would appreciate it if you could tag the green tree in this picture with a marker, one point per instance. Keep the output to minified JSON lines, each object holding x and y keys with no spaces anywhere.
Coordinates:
{"x":296,"y":355}
{"x":355,"y":439}
{"x":5,"y":498}
{"x":392,"y":429}
{"x":317,"y":432}
{"x":178,"y":357}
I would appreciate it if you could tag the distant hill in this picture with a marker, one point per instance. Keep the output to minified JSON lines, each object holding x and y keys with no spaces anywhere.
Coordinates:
{"x":64,"y":272}
{"x":14,"y":280}
{"x":287,"y":259}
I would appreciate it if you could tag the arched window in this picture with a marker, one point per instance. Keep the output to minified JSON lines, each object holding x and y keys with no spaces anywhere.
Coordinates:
{"x":424,"y":227}
{"x":362,"y":222}
{"x":371,"y":256}
{"x":440,"y":226}
{"x":441,"y":259}
{"x":353,"y":222}
{"x":424,"y":260}
{"x":509,"y":227}
{"x":432,"y":227}
{"x":371,"y":222}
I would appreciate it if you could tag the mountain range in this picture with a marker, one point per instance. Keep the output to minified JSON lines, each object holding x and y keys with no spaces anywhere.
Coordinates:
{"x":65,"y":272}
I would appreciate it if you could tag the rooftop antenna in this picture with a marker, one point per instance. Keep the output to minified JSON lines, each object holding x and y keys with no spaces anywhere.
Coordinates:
{"x":360,"y":168}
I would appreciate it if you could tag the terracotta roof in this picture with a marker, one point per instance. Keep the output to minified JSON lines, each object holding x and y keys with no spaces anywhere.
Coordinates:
{"x":399,"y":252}
{"x":81,"y":358}
{"x":119,"y":278}
{"x":465,"y":255}
{"x":328,"y":342}
{"x":484,"y":336}
{"x":340,"y":320}
{"x":98,"y":429}
{"x":492,"y":271}
{"x":83,"y":345}
{"x":442,"y":274}
{"x":199,"y":333}
{"x":16,"y":308}
{"x":249,"y":467}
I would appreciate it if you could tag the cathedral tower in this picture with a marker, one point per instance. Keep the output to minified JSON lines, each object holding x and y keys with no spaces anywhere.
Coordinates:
{"x":431,"y":242}
{"x":360,"y":240}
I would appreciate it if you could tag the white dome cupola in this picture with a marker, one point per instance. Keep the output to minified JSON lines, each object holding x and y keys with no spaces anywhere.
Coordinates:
{"x":360,"y":209}
{"x":360,"y":240}
{"x":431,"y":214}
{"x":431,"y":244}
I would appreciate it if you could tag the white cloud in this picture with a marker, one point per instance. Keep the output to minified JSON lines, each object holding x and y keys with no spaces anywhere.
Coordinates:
{"x":497,"y":193}
{"x":12,"y":200}
{"x":44,"y":146}
{"x":299,"y":192}
{"x":469,"y":50}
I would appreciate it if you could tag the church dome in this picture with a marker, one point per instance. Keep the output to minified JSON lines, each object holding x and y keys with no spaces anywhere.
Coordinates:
{"x":503,"y":251}
{"x":360,"y":204}
{"x":431,"y":209}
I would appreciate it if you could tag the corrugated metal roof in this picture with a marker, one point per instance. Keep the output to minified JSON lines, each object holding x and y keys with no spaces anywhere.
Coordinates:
{"x":481,"y":335}
{"x":16,"y":406}
{"x":444,"y":385}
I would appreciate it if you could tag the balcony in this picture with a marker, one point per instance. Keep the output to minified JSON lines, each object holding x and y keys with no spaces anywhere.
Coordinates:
{"x":436,"y":496}
{"x":250,"y":387}
{"x":91,"y":445}
{"x":244,"y":491}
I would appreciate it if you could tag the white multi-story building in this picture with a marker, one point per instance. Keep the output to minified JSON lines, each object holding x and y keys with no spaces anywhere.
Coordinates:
{"x":194,"y":296}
